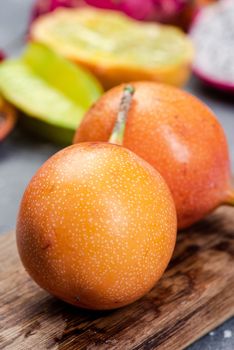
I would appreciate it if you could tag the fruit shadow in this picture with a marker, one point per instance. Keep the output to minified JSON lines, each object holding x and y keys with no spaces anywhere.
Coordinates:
{"x":214,"y":233}
{"x":77,"y":326}
{"x":21,"y":141}
{"x":203,"y":90}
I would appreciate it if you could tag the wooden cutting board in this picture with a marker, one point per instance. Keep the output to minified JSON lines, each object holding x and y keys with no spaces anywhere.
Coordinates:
{"x":195,"y":295}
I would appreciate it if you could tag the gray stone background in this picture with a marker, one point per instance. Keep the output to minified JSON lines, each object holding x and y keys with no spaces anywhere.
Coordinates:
{"x":21,"y":154}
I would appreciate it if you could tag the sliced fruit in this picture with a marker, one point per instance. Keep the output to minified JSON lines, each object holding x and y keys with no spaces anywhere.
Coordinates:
{"x":48,"y":89}
{"x":116,"y":48}
{"x":212,"y":34}
{"x":7,"y":118}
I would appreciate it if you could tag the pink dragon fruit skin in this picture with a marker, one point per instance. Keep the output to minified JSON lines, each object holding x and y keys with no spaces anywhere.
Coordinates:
{"x":160,"y":10}
{"x":137,"y":9}
{"x":42,"y":7}
{"x":166,"y":9}
{"x":2,"y":56}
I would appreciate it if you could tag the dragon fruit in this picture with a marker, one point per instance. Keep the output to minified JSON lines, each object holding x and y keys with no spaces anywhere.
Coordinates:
{"x":213,"y":36}
{"x":42,"y":7}
{"x":137,"y":9}
{"x":159,"y":10}
{"x":2,"y":55}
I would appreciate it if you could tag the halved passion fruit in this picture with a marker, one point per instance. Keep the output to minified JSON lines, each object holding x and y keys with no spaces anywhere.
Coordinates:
{"x":52,"y":92}
{"x":116,"y":48}
{"x":7,"y":118}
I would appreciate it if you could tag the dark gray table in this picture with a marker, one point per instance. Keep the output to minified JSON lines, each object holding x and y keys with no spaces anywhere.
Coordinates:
{"x":21,"y":155}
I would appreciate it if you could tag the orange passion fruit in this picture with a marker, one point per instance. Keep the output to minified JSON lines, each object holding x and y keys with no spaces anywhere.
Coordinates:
{"x":178,"y":135}
{"x":7,"y":118}
{"x":97,"y":226}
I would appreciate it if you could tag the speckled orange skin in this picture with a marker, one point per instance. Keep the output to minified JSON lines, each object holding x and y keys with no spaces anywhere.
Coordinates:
{"x":97,"y":226}
{"x":178,"y":135}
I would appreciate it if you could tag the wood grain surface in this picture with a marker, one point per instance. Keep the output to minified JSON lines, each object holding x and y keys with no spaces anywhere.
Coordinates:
{"x":194,"y":295}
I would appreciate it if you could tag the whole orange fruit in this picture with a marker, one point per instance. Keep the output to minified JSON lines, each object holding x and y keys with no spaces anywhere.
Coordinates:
{"x":178,"y":135}
{"x":97,"y":226}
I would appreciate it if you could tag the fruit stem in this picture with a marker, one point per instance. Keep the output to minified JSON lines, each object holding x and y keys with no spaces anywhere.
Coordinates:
{"x":118,"y":131}
{"x":230,"y":198}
